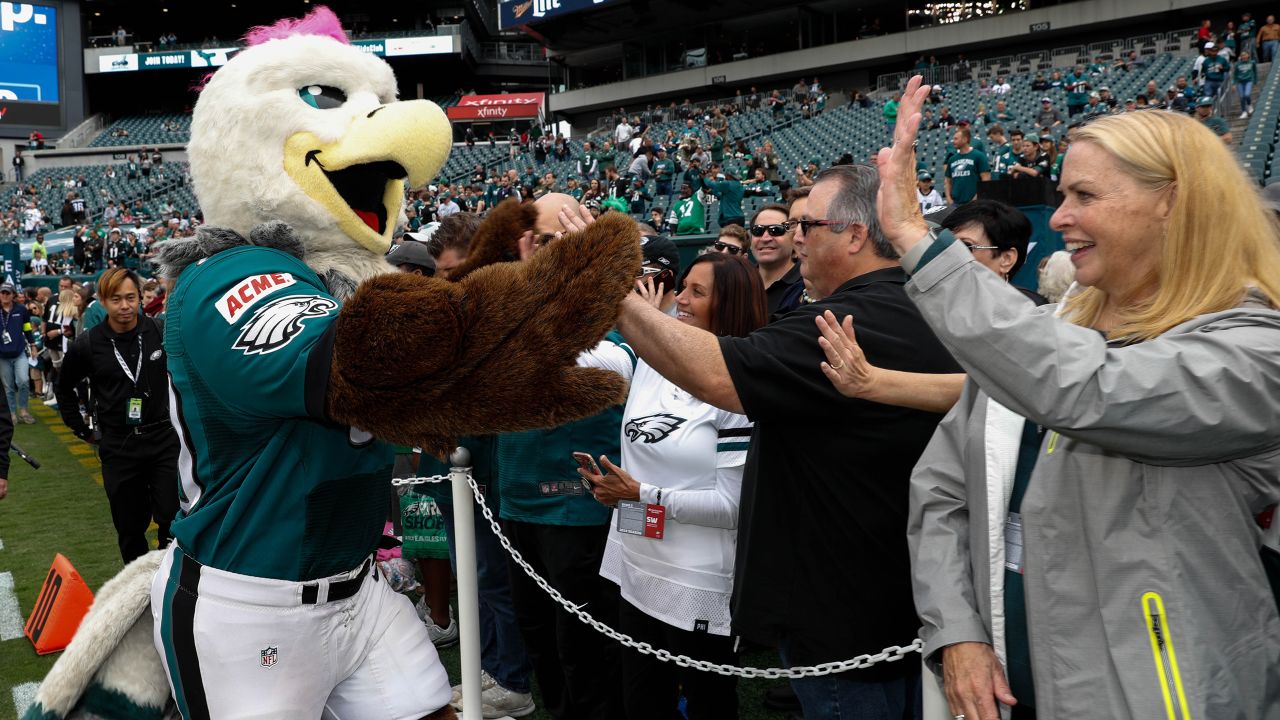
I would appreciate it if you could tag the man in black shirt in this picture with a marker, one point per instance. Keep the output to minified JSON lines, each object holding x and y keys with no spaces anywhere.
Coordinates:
{"x":822,"y":566}
{"x":124,"y":361}
{"x":771,"y":245}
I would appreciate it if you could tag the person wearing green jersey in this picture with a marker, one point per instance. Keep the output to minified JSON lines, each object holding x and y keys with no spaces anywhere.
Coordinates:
{"x":605,"y":159}
{"x":964,"y":168}
{"x":1077,"y":91}
{"x":729,"y":190}
{"x":688,"y":214}
{"x":1001,"y":153}
{"x":586,"y":161}
{"x":717,"y":146}
{"x":891,"y":113}
{"x":1245,"y":73}
{"x":1214,"y":71}
{"x":664,"y":171}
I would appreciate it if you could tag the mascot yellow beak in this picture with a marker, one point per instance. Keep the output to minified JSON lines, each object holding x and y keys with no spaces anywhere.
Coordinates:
{"x":359,"y":178}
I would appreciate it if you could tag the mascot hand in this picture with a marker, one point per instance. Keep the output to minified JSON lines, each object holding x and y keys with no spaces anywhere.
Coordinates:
{"x":497,"y":239}
{"x":422,"y":361}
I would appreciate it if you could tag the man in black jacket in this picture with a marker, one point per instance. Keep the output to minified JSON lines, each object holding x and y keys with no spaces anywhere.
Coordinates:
{"x":124,"y":361}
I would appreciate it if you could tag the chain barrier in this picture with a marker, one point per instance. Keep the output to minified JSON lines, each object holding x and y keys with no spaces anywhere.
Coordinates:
{"x":892,"y":653}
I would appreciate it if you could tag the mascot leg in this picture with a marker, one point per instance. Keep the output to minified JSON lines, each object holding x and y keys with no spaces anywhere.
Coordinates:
{"x":111,"y":670}
{"x":346,"y":648}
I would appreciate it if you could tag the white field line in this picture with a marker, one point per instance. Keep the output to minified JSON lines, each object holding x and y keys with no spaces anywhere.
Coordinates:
{"x":23,"y":696}
{"x":10,"y":613}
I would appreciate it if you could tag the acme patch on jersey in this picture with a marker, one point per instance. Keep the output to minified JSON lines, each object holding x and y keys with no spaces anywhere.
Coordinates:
{"x":249,"y":291}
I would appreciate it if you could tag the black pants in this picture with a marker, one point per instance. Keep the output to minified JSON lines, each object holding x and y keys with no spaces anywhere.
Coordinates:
{"x":651,"y":688}
{"x":576,"y":667}
{"x":140,"y":475}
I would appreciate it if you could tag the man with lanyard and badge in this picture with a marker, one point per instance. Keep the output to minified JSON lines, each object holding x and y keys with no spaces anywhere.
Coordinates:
{"x":124,"y":361}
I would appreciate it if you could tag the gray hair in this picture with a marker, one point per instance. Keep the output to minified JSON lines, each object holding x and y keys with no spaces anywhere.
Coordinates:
{"x":855,"y":203}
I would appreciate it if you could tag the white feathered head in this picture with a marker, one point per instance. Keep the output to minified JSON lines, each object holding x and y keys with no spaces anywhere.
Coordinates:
{"x":304,"y":128}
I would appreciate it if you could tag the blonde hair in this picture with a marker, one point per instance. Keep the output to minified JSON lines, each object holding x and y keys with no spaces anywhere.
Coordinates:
{"x":67,"y":305}
{"x":1219,"y":239}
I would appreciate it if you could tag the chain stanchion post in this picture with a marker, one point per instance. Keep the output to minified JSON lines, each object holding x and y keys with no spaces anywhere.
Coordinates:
{"x":468,"y":585}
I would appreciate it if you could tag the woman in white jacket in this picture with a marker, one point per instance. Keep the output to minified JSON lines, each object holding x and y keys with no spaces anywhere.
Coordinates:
{"x":683,"y":461}
{"x":1105,"y":550}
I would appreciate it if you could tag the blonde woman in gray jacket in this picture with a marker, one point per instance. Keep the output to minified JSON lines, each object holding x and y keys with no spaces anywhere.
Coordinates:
{"x":1083,"y":523}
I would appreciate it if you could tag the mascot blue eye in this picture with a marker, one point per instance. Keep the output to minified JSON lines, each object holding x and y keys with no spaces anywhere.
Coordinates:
{"x":322,"y":97}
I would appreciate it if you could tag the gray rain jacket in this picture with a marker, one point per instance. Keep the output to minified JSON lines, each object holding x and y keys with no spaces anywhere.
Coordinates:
{"x":1146,"y":596}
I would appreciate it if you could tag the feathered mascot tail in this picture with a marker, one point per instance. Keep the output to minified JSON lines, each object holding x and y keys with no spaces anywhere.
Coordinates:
{"x":111,"y":670}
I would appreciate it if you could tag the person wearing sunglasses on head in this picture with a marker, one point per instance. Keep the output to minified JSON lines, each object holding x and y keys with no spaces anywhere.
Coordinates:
{"x":772,"y":247}
{"x":733,"y":240}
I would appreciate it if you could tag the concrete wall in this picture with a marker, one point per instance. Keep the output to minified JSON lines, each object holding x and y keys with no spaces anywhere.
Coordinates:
{"x":1063,"y":19}
{"x":41,"y":159}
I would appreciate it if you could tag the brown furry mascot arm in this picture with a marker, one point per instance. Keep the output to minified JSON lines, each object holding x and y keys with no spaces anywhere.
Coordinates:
{"x":497,"y":238}
{"x":422,"y":361}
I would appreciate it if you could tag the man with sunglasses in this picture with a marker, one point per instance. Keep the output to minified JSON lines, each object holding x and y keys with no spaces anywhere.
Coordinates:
{"x":733,"y":240}
{"x":771,"y":243}
{"x":825,"y":474}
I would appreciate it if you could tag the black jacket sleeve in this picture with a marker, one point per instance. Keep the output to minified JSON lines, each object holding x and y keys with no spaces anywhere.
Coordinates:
{"x":75,"y":368}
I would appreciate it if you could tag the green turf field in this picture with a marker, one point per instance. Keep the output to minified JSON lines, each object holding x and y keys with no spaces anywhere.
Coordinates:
{"x":62,"y":508}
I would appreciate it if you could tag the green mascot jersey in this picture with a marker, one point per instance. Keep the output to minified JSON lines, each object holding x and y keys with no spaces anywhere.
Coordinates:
{"x":269,"y":486}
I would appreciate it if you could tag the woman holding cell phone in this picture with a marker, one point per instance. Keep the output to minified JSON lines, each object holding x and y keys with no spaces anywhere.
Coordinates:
{"x":671,"y":551}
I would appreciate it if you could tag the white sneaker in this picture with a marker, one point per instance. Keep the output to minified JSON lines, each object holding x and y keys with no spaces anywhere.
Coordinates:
{"x":486,"y":682}
{"x":1244,"y":115}
{"x":443,"y":636}
{"x":500,"y":702}
{"x":51,"y":402}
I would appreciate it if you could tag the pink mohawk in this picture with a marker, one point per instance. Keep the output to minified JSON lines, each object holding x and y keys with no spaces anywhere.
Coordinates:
{"x":320,"y":21}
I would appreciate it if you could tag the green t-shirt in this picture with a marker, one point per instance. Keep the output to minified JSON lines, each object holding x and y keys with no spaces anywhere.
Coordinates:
{"x":273,"y":488}
{"x":576,"y":193}
{"x":965,"y":170}
{"x":691,"y":216}
{"x":891,"y":111}
{"x":1246,"y":71}
{"x":717,"y":149}
{"x":606,"y":158}
{"x":1215,"y":69}
{"x":538,"y":476}
{"x":664,"y":169}
{"x":93,"y":315}
{"x":730,"y":194}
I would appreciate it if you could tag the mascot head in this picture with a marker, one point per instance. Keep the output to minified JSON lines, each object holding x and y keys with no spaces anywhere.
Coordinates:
{"x":303,"y":128}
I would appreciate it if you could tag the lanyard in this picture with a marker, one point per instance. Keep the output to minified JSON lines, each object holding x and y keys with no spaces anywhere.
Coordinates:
{"x":133,"y":375}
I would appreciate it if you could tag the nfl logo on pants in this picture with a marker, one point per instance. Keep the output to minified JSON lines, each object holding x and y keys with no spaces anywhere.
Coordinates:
{"x":269,"y":657}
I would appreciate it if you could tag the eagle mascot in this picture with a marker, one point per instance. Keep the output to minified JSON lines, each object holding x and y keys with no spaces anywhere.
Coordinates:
{"x":295,"y":355}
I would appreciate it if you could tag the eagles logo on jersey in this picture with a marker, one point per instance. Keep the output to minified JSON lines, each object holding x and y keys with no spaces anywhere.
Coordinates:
{"x":652,"y":428}
{"x":279,"y":321}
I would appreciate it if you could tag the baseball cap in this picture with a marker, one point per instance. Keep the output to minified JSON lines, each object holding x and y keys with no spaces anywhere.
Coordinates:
{"x":660,"y":250}
{"x":923,"y":176}
{"x":1045,"y":99}
{"x":424,"y":233}
{"x":411,"y":252}
{"x":1205,"y":101}
{"x":1209,"y":46}
{"x":938,"y":214}
{"x":7,"y":286}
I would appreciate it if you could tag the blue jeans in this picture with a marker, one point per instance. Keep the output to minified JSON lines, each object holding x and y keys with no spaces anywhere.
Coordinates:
{"x":1211,"y":88}
{"x":1269,"y":48}
{"x":15,"y":373}
{"x":502,"y":652}
{"x":1246,"y":95}
{"x":837,"y":697}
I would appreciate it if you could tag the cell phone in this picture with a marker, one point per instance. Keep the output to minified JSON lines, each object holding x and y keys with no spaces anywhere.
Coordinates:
{"x":587,"y":463}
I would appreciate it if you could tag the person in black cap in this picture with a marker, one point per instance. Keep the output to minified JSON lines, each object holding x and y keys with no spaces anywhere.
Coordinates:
{"x":412,"y":256}
{"x":661,"y":266}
